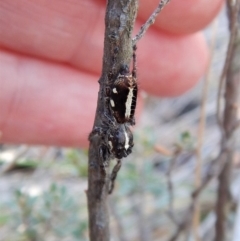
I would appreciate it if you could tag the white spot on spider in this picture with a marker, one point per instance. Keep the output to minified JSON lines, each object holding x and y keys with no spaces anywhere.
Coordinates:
{"x":112,"y":103}
{"x":128,"y":103}
{"x":126,"y":140}
{"x":110,"y":144}
{"x":115,"y":91}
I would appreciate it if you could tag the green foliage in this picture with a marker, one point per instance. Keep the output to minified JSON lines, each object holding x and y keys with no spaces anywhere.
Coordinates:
{"x":144,"y":140}
{"x":70,"y":162}
{"x":132,"y":181}
{"x":78,"y":158}
{"x":27,"y":163}
{"x":187,"y":141}
{"x":57,"y":213}
{"x":54,"y":214}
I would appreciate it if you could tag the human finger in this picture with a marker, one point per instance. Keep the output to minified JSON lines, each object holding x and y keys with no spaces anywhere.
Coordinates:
{"x":69,"y":41}
{"x":45,"y":103}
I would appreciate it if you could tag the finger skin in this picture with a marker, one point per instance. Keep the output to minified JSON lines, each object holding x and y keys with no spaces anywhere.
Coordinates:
{"x":55,"y":110}
{"x":181,"y":16}
{"x":59,"y":30}
{"x":170,"y":65}
{"x":79,"y":42}
{"x":72,"y":31}
{"x":47,"y":101}
{"x":51,"y":105}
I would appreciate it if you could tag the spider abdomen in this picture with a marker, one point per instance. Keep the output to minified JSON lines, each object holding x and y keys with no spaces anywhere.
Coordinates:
{"x":123,"y":98}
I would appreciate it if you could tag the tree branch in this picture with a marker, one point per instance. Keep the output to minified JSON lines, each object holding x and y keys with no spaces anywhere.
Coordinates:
{"x":230,"y":118}
{"x":233,"y":31}
{"x":119,"y":20}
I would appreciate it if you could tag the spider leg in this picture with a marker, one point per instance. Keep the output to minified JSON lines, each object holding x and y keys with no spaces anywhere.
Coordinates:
{"x":104,"y":157}
{"x":108,"y":120}
{"x":113,"y":176}
{"x":134,"y":71}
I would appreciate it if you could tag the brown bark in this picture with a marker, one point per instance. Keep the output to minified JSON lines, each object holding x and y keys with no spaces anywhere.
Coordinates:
{"x":119,"y":20}
{"x":229,"y":123}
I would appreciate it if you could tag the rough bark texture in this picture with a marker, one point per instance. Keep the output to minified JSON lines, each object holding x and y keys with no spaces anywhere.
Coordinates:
{"x":229,"y":125}
{"x":119,"y":21}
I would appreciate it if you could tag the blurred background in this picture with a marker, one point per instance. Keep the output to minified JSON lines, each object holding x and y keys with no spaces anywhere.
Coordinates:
{"x":43,"y":188}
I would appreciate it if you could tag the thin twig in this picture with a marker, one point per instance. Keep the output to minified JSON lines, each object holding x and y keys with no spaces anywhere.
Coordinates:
{"x":170,"y":187}
{"x":150,"y":21}
{"x":230,"y":118}
{"x":236,"y":233}
{"x":215,"y":167}
{"x":201,"y":131}
{"x":183,"y":225}
{"x":114,"y":173}
{"x":233,"y":32}
{"x":218,"y":165}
